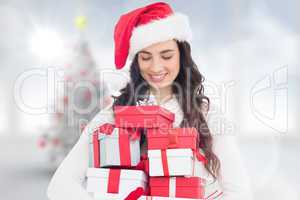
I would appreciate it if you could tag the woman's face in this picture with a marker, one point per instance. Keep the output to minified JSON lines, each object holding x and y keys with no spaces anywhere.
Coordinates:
{"x":160,"y":63}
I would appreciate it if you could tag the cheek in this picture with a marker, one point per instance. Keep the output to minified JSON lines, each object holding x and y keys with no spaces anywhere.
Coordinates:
{"x":143,"y":69}
{"x":173,"y":67}
{"x":142,"y":66}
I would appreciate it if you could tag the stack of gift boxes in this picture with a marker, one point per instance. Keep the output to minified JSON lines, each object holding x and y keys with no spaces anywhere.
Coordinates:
{"x":172,"y":168}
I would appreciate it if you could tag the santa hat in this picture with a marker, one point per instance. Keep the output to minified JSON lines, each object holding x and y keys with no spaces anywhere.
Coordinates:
{"x":144,"y":26}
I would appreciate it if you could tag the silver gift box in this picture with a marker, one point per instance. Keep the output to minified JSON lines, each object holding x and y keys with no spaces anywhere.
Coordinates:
{"x":110,"y":151}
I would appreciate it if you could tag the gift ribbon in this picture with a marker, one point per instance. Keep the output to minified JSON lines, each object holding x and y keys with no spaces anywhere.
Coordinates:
{"x":211,"y":195}
{"x":124,"y":148}
{"x":164,"y":160}
{"x":103,"y":129}
{"x":143,"y":164}
{"x":124,"y":145}
{"x":96,"y":147}
{"x":135,"y":134}
{"x":140,"y":166}
{"x":200,"y":157}
{"x":113,"y":180}
{"x":214,"y":195}
{"x":135,"y":194}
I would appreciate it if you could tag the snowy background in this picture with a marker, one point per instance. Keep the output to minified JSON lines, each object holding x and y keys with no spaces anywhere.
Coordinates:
{"x":248,"y":52}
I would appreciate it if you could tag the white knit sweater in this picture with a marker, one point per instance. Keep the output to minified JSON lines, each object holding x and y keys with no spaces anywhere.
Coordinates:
{"x":69,"y":180}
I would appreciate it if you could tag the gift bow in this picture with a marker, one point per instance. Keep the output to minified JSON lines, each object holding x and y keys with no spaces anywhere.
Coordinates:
{"x":108,"y":129}
{"x":173,"y":140}
{"x":173,"y":143}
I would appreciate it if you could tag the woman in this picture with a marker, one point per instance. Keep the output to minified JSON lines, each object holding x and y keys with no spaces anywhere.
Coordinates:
{"x":162,"y":71}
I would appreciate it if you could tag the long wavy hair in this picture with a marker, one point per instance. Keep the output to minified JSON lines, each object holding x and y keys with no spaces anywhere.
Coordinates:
{"x":189,"y":91}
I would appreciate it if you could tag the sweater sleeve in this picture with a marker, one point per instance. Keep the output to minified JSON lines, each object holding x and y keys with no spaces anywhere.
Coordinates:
{"x":68,"y":182}
{"x":233,"y":179}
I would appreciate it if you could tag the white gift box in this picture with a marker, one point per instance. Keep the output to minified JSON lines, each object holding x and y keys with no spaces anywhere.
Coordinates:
{"x":180,"y":162}
{"x":117,"y":149}
{"x":100,"y":182}
{"x":91,"y":152}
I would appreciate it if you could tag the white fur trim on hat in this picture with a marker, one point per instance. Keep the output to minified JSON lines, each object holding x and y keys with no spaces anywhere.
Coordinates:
{"x":175,"y":26}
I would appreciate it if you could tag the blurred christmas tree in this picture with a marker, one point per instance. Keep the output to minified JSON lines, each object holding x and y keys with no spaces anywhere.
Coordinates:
{"x":81,"y":98}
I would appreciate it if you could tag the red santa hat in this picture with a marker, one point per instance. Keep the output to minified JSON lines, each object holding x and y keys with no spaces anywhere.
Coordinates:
{"x":144,"y":26}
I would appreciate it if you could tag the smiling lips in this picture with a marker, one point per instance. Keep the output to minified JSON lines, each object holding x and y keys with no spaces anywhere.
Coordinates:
{"x":157,"y":77}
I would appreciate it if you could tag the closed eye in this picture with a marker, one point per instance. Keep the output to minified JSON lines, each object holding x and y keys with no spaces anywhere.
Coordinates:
{"x":145,"y":58}
{"x":167,"y":57}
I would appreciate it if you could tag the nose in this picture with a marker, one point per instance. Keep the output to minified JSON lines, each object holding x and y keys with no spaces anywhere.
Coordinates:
{"x":157,"y":65}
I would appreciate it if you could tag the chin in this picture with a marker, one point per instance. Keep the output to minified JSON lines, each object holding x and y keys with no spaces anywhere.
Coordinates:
{"x":160,"y":85}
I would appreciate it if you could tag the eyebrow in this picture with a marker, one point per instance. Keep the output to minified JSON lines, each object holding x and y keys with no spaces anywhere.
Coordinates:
{"x":162,"y":52}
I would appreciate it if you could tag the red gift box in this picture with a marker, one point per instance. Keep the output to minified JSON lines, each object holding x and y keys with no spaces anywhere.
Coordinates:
{"x":172,"y":138}
{"x":143,"y":117}
{"x":180,"y":187}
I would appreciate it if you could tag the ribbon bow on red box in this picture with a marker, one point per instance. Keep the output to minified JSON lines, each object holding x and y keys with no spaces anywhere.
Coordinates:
{"x":172,"y":144}
{"x":173,"y":140}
